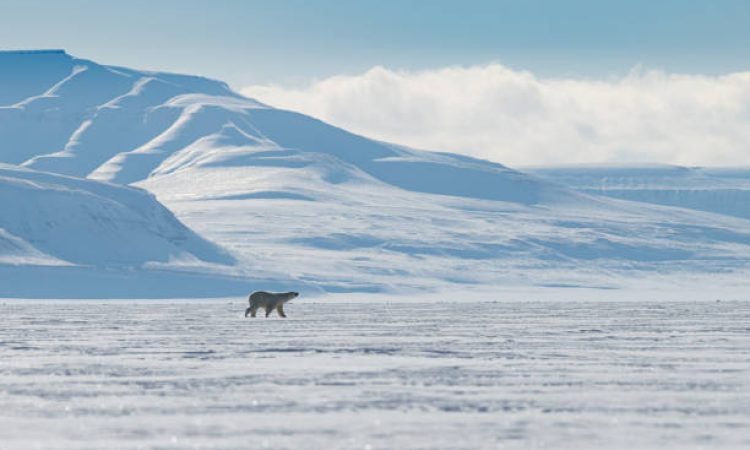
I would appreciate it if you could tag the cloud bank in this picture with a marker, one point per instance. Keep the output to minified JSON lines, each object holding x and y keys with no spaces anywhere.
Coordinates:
{"x":516,"y":118}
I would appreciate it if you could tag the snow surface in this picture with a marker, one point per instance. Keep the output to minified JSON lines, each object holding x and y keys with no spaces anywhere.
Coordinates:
{"x":718,"y":190}
{"x":365,"y":236}
{"x":58,"y":214}
{"x":444,"y":374}
{"x":86,"y":238}
{"x":414,"y":352}
{"x":302,"y":205}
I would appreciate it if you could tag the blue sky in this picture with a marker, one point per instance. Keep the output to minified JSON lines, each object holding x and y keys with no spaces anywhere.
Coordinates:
{"x":255,"y":42}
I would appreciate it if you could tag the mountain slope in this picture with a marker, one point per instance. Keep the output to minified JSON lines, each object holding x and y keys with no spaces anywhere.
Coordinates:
{"x":120,"y":125}
{"x":365,"y":235}
{"x":296,"y":201}
{"x":86,"y":238}
{"x":119,"y":225}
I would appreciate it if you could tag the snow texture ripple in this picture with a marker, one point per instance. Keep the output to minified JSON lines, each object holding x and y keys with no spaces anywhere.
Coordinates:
{"x":369,"y":375}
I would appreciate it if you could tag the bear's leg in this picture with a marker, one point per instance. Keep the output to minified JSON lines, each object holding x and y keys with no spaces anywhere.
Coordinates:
{"x":253,"y":310}
{"x":280,"y":310}
{"x":269,"y":308}
{"x":247,"y":311}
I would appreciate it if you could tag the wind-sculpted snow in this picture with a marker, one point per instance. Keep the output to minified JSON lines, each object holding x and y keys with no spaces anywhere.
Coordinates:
{"x":389,"y":374}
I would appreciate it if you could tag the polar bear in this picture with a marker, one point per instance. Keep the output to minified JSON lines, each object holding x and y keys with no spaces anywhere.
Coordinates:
{"x":269,"y":301}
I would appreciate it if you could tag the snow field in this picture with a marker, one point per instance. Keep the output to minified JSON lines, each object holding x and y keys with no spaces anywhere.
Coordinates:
{"x":336,"y":374}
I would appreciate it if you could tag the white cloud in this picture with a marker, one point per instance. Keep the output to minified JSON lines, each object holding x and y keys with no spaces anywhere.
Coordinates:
{"x":516,"y":118}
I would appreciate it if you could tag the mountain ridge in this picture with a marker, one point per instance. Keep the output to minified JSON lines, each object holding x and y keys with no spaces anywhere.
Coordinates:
{"x":295,"y":202}
{"x":163,"y":116}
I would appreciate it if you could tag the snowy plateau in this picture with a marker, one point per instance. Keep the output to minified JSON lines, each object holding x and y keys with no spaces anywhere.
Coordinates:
{"x":447,"y":302}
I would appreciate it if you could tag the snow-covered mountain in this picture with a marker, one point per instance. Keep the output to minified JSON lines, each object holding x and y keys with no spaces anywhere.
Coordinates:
{"x":123,"y":126}
{"x":292,"y":198}
{"x":65,"y":220}
{"x":63,"y":236}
